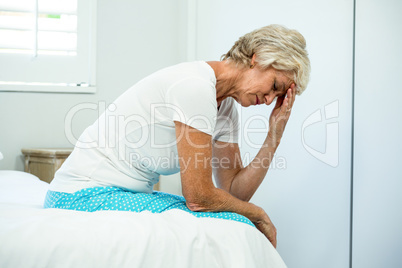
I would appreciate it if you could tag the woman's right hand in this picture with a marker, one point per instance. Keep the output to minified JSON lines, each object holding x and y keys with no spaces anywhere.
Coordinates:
{"x":280,"y":115}
{"x":267,"y":228}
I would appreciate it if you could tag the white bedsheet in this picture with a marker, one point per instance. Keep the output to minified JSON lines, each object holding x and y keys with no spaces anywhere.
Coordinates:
{"x":34,"y":237}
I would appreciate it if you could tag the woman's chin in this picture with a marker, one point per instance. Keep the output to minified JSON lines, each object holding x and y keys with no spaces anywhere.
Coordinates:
{"x":244,"y":104}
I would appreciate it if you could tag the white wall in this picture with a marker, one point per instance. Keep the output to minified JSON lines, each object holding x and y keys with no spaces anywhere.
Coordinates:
{"x":134,"y":39}
{"x":308,"y":200}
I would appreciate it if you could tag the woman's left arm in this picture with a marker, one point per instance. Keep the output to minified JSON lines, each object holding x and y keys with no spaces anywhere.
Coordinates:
{"x":242,"y":182}
{"x":231,"y":176}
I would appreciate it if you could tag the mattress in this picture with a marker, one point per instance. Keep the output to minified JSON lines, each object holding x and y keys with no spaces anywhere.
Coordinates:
{"x":35,"y":237}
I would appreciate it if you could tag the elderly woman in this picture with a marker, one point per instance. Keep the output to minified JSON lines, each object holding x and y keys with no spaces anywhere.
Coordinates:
{"x":183,"y":118}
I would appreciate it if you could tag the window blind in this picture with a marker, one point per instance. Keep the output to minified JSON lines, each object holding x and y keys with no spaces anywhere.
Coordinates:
{"x":47,"y":42}
{"x":37,"y":27}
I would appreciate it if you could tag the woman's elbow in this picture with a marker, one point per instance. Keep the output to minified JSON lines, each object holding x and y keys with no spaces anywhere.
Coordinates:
{"x":195,"y":206}
{"x":199,"y":202}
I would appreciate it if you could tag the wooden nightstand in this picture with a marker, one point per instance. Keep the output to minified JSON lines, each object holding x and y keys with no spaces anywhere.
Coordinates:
{"x":44,"y":163}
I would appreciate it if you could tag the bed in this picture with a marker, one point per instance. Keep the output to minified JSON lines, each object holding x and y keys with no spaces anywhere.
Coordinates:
{"x":31,"y":236}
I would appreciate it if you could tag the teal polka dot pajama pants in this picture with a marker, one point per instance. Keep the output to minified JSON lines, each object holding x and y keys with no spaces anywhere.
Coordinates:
{"x":113,"y":198}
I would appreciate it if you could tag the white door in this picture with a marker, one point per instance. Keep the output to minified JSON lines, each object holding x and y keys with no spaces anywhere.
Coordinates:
{"x":377,"y":212}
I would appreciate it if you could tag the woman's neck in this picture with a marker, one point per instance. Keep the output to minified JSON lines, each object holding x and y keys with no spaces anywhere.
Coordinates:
{"x":227,"y":74}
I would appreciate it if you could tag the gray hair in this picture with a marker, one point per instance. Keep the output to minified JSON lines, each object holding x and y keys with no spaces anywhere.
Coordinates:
{"x":277,"y":46}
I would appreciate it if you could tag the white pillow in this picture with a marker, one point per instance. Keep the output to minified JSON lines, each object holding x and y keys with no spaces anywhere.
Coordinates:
{"x":19,"y":187}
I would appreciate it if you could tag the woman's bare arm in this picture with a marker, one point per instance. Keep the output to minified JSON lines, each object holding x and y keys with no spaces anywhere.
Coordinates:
{"x":231,"y":176}
{"x":195,"y":153}
{"x":243,"y":182}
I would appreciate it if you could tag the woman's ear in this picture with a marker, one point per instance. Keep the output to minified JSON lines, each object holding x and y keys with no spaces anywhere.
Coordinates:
{"x":253,"y":59}
{"x":252,"y":63}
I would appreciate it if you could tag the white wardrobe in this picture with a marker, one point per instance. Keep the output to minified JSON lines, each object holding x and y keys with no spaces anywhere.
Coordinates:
{"x":342,"y":141}
{"x":377,"y":176}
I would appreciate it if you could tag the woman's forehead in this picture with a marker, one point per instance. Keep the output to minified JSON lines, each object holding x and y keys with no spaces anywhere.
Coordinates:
{"x":284,"y":77}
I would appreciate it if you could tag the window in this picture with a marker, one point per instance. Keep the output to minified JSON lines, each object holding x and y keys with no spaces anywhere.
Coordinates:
{"x":47,"y":45}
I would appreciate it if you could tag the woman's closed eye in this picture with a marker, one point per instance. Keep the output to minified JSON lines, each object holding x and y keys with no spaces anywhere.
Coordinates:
{"x":275,"y":88}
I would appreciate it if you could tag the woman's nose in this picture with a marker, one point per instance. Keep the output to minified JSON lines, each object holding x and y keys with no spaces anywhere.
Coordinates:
{"x":268,"y":99}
